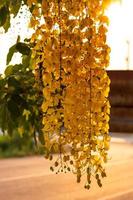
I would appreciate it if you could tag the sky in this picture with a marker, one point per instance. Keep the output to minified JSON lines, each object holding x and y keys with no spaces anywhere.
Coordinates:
{"x":120,"y":36}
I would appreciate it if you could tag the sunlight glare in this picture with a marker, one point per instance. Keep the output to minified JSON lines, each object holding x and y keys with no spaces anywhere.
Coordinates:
{"x":120,"y":35}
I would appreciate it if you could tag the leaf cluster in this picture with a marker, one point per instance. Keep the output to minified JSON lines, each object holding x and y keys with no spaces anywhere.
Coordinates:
{"x":10,"y":8}
{"x":19,"y":98}
{"x":71,"y":49}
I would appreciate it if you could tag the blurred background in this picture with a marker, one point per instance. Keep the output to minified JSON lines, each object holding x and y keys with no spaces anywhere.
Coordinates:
{"x":120,"y":38}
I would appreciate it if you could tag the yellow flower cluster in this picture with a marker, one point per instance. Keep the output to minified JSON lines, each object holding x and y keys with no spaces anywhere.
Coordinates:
{"x":72,"y":55}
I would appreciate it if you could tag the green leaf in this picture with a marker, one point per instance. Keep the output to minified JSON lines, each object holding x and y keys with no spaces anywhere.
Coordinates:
{"x":13,"y":109}
{"x":4,"y":115}
{"x":15,"y":6}
{"x":10,"y":127}
{"x":13,"y":69}
{"x":7,"y":24}
{"x":8,"y":71}
{"x":10,"y":54}
{"x":13,"y":83}
{"x":20,"y":101}
{"x":2,"y":3}
{"x":23,"y":48}
{"x":41,"y":138}
{"x":26,"y":61}
{"x":4,"y":12}
{"x":18,"y":39}
{"x":2,"y":82}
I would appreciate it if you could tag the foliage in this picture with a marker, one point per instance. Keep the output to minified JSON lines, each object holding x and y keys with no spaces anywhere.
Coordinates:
{"x":20,"y":99}
{"x":10,"y":8}
{"x":71,"y":50}
{"x":16,"y":146}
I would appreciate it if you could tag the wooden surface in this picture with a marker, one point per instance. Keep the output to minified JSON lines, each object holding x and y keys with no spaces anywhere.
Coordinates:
{"x":121,"y":99}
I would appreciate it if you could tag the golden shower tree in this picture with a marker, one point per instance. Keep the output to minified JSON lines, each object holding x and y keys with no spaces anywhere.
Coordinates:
{"x":70,"y":56}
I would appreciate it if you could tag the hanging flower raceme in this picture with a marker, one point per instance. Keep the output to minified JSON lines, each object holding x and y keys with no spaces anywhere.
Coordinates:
{"x":72,"y":55}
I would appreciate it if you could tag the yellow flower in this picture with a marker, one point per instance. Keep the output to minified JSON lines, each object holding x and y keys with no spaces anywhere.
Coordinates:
{"x":72,"y":54}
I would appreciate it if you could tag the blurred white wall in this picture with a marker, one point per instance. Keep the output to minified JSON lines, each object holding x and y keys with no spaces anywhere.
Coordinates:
{"x":120,"y":35}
